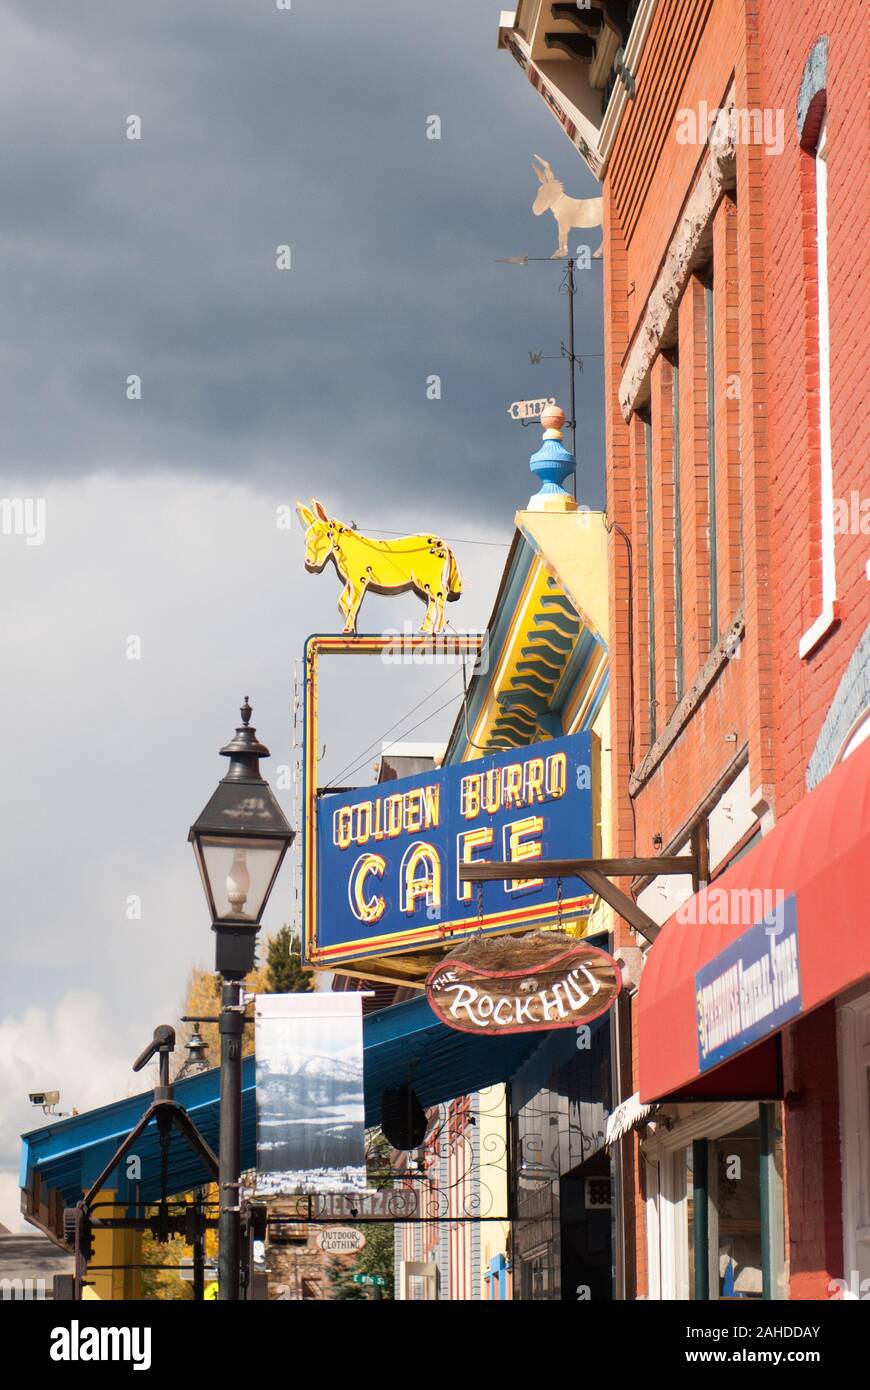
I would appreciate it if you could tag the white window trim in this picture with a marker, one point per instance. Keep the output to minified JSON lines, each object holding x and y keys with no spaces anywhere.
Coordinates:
{"x":653,"y":1229}
{"x":829,"y":614}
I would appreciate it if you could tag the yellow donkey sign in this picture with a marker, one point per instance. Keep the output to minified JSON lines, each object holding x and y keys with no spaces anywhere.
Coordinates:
{"x":423,"y":563}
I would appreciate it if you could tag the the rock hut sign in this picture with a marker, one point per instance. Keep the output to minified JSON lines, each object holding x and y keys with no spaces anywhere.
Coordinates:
{"x":519,"y":985}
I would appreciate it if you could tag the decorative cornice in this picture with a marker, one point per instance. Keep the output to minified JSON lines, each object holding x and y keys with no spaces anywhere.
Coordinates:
{"x":619,"y":97}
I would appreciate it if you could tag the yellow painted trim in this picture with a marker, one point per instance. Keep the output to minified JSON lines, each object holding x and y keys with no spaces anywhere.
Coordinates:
{"x":506,"y":668}
{"x":573,"y":548}
{"x":522,"y":629}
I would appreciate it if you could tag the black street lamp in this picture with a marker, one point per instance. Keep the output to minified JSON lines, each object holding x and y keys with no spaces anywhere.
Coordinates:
{"x":239,"y":840}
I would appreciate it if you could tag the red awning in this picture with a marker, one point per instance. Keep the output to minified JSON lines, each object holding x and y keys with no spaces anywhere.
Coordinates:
{"x":818,"y":856}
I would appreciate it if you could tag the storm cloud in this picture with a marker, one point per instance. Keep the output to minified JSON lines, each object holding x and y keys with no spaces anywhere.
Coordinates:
{"x":263,"y":128}
{"x":156,"y":258}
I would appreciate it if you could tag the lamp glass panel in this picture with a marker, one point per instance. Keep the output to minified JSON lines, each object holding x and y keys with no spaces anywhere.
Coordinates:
{"x":240,"y":873}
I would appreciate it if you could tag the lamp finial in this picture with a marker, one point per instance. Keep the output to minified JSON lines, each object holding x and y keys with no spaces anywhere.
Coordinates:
{"x":552,"y":464}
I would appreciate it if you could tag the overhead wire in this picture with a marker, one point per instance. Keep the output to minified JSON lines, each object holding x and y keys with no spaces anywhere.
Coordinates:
{"x":453,"y":540}
{"x":430,"y":715}
{"x":358,"y":761}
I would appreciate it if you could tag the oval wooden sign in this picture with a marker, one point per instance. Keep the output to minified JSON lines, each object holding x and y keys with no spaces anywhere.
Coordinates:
{"x":521,"y":985}
{"x":340,"y":1240}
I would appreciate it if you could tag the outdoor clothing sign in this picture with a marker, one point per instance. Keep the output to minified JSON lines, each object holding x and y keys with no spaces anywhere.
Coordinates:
{"x":310,"y":1108}
{"x":388,"y":856}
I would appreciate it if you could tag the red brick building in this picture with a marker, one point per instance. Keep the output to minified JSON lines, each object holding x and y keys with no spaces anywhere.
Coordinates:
{"x":733,"y":150}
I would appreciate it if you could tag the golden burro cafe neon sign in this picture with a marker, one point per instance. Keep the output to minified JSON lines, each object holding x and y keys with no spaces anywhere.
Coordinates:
{"x":388,"y":857}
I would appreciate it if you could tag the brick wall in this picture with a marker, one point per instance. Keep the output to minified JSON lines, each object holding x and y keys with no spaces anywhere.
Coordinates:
{"x":805,"y":688}
{"x":811,"y":1134}
{"x":688,"y":58}
{"x":766,"y":385}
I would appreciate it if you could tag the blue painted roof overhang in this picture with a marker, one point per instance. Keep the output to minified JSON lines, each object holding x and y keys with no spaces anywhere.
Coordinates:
{"x":403,"y":1044}
{"x":546,"y":670}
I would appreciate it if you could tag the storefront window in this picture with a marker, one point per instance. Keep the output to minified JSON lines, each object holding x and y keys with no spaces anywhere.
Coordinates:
{"x":536,"y":1277}
{"x":716,"y":1231}
{"x":735,"y":1212}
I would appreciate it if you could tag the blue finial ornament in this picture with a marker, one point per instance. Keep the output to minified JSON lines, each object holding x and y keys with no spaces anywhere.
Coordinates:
{"x":553,"y":463}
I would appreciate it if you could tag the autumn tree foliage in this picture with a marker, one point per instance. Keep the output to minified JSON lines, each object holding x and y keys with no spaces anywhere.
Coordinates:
{"x":280,"y":971}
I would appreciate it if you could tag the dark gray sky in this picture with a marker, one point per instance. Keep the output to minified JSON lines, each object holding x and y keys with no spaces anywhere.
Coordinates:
{"x":263,"y":127}
{"x":260,"y":127}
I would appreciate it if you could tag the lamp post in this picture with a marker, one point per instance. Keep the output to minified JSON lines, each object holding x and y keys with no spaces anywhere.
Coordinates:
{"x":239,"y":841}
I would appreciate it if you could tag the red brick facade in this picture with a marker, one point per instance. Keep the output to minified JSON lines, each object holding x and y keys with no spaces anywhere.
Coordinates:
{"x":750,"y":575}
{"x":805,"y":688}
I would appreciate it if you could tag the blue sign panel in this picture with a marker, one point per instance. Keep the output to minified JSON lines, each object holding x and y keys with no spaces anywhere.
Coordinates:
{"x":388,"y":856}
{"x":751,"y":988}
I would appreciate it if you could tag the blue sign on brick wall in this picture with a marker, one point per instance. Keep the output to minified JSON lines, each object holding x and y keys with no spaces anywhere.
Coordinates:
{"x":388,"y":856}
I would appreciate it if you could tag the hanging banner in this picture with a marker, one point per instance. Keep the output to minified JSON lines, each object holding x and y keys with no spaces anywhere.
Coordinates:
{"x":388,"y":856}
{"x":523,"y":984}
{"x":310,"y":1107}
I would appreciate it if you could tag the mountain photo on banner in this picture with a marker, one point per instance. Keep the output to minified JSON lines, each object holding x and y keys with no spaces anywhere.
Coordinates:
{"x":310,"y":1109}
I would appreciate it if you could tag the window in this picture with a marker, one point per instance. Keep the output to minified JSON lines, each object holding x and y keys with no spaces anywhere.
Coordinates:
{"x":651,"y":621}
{"x":734,"y":1207}
{"x":535,"y":1277}
{"x":678,"y":533}
{"x":706,"y":278}
{"x":828,"y":615}
{"x":715,"y":1206}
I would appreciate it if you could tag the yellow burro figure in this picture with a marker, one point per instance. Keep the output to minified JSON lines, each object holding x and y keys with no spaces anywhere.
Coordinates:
{"x":423,"y":563}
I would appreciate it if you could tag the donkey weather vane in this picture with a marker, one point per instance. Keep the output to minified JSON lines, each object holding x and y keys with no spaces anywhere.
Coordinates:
{"x":568,"y":212}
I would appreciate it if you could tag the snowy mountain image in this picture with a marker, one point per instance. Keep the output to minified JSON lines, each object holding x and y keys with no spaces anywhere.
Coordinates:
{"x":311,"y":1120}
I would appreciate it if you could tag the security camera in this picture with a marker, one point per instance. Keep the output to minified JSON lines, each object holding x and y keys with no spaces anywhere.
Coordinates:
{"x":47,"y":1100}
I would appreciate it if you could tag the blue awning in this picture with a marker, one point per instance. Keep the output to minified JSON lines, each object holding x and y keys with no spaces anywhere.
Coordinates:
{"x":403,"y":1044}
